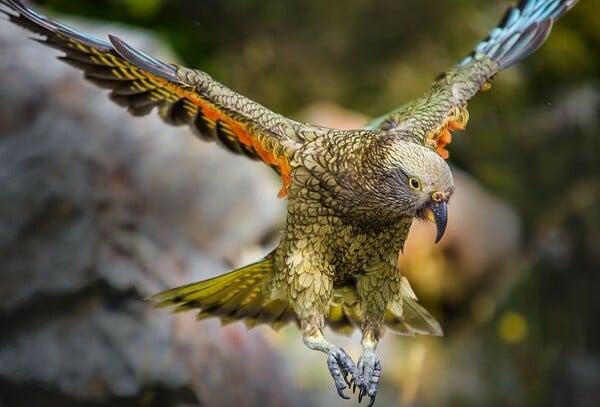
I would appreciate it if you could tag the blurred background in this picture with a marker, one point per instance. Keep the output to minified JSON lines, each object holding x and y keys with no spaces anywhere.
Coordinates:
{"x":99,"y":210}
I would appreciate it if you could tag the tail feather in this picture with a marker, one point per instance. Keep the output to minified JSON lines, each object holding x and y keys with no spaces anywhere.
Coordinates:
{"x":408,"y":317}
{"x":342,"y":319}
{"x":242,"y":295}
{"x":276,"y":311}
{"x":415,"y":320}
{"x":237,"y":295}
{"x":248,"y":303}
{"x":403,"y":317}
{"x":523,"y":29}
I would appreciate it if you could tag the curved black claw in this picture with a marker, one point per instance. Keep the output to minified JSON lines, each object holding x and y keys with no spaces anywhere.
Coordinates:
{"x":370,"y":367}
{"x":373,"y":384}
{"x":343,"y":370}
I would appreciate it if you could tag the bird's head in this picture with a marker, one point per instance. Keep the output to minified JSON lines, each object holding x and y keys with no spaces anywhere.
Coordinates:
{"x":417,"y":182}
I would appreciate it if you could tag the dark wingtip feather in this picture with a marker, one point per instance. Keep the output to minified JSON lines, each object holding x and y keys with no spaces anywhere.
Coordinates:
{"x":522,"y":30}
{"x":143,"y":61}
{"x":23,"y":16}
{"x":539,"y":34}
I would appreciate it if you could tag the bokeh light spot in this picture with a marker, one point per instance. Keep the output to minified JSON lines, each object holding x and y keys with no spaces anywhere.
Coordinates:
{"x":512,"y":327}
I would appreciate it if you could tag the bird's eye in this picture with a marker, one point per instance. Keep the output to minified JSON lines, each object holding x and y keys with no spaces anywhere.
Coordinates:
{"x":414,"y":183}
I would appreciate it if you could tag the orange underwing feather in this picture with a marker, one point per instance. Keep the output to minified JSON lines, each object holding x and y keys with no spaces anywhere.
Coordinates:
{"x":239,"y":130}
{"x":442,"y":136}
{"x":141,"y":83}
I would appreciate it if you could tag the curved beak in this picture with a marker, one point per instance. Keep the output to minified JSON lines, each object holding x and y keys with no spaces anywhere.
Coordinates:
{"x":440,"y":217}
{"x":437,"y":212}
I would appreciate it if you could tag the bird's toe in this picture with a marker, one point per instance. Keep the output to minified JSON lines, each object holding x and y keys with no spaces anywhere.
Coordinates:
{"x":369,"y":367}
{"x":344,"y":372}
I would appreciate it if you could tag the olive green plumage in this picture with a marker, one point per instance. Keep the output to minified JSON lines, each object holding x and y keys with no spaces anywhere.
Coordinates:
{"x":352,"y":194}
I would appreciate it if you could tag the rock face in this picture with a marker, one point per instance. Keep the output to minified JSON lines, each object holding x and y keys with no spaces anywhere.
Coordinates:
{"x":99,"y":210}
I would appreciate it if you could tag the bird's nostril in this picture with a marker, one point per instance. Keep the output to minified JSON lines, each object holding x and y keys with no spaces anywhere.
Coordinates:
{"x":438,"y":196}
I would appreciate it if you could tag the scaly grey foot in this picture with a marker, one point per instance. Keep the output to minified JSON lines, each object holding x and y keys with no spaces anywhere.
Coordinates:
{"x":369,"y":367}
{"x":343,"y":370}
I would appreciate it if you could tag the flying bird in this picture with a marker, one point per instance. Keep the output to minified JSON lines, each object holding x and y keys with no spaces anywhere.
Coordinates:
{"x":352,"y":194}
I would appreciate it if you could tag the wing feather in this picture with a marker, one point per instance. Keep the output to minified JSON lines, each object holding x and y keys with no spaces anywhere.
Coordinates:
{"x":182,"y":96}
{"x":430,"y":119}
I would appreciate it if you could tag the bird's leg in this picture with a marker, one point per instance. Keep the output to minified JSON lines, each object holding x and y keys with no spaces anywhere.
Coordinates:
{"x":340,"y":364}
{"x":369,"y":367}
{"x":376,"y":288}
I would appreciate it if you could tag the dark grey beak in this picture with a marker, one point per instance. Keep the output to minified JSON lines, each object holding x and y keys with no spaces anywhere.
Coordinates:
{"x":440,"y":217}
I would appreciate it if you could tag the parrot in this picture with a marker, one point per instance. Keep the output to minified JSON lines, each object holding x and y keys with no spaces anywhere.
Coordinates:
{"x":352,"y":195}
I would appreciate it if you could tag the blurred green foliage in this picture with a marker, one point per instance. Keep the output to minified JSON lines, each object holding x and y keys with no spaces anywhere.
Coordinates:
{"x":533,"y":139}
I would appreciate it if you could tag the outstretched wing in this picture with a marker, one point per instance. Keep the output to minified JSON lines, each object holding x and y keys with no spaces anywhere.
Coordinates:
{"x":443,"y":108}
{"x":183,"y":96}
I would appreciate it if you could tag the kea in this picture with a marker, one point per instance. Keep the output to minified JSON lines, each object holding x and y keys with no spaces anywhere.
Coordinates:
{"x":352,"y":195}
